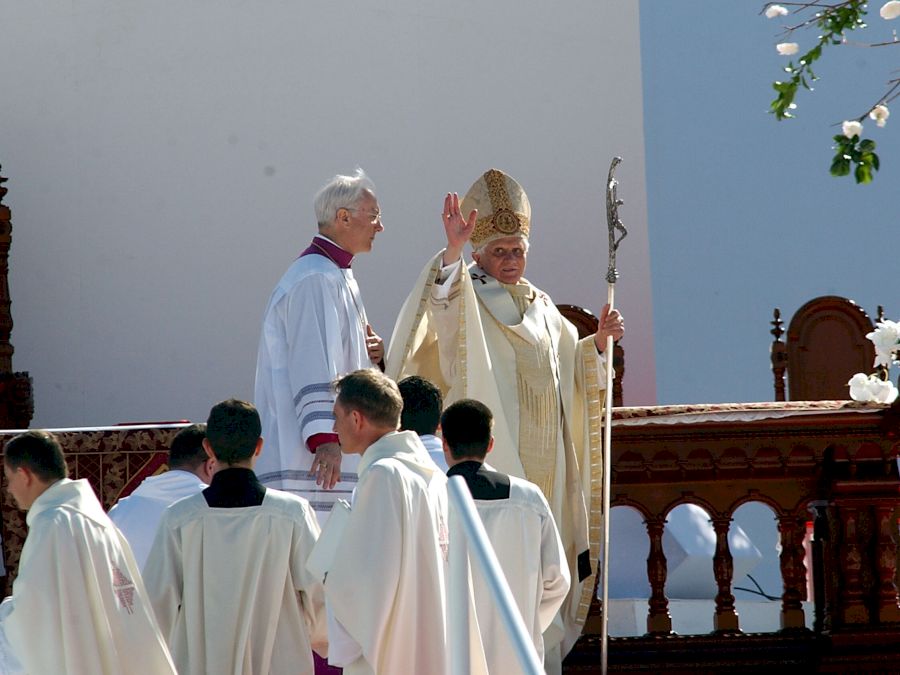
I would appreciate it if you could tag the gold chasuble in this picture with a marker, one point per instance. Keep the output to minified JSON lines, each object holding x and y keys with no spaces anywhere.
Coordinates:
{"x":537,"y":393}
{"x":509,"y":347}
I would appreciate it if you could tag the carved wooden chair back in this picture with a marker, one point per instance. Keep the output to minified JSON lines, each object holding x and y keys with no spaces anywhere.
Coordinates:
{"x":586,"y":323}
{"x":826,"y":345}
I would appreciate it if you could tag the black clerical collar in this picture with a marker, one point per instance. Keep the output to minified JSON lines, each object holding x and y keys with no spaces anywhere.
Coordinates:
{"x":234,"y":488}
{"x":483,"y":483}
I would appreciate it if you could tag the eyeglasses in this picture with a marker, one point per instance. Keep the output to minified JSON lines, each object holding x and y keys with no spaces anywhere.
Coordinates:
{"x":502,"y":253}
{"x":375,"y":216}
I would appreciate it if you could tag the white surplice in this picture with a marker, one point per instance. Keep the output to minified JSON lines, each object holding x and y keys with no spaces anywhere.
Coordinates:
{"x":386,"y":586}
{"x":314,"y":331}
{"x":137,"y":515}
{"x":78,"y":603}
{"x":523,"y":534}
{"x":231,"y":590}
{"x":463,"y":338}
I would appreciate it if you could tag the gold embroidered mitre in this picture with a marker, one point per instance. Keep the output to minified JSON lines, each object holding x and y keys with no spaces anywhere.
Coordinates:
{"x":503,"y":208}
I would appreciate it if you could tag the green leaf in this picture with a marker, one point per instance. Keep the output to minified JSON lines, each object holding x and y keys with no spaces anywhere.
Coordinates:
{"x":840,"y":166}
{"x":863,"y":174}
{"x":867,"y":145}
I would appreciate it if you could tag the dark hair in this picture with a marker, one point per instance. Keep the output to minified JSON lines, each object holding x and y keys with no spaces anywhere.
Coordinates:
{"x":466,"y":427}
{"x":373,"y":394}
{"x":39,"y":452}
{"x":187,"y":450}
{"x":422,"y":403}
{"x":233,"y":428}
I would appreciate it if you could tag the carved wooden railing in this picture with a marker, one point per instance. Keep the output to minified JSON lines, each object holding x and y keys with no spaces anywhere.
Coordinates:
{"x":831,"y":461}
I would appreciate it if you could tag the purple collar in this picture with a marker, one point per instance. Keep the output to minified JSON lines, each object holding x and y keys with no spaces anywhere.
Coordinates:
{"x":330,"y":250}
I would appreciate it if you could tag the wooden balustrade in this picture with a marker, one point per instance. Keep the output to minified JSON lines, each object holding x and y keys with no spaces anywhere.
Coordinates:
{"x":831,"y":462}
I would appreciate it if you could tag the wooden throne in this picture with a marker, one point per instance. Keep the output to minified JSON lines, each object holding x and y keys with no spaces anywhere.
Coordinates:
{"x":826,"y":345}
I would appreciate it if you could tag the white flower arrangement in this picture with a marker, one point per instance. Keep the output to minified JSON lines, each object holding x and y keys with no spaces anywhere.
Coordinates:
{"x":878,"y":388}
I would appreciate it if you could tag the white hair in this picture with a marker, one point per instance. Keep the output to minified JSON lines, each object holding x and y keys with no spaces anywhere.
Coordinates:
{"x":340,"y":192}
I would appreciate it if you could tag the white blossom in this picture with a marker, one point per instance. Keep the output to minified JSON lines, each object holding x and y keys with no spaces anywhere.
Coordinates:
{"x":851,"y":128}
{"x":869,"y":388}
{"x":787,"y":48}
{"x":859,"y":387}
{"x":890,"y":10}
{"x":880,"y":113}
{"x":775,"y":10}
{"x":883,"y":391}
{"x":886,"y":338}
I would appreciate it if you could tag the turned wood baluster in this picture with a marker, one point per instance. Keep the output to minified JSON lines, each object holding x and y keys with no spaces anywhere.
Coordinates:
{"x":888,"y":610}
{"x":726,"y":619}
{"x":779,"y":355}
{"x":658,"y":620}
{"x":821,"y":567}
{"x":792,"y":530}
{"x":852,"y":608}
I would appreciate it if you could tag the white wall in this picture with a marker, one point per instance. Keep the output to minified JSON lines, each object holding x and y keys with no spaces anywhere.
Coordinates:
{"x":163,"y":157}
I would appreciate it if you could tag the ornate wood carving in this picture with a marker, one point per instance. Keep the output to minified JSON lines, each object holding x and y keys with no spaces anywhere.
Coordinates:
{"x":823,"y":593}
{"x":586,"y":324}
{"x":6,"y":349}
{"x":658,"y":620}
{"x":778,"y":355}
{"x":826,"y":346}
{"x":726,"y":618}
{"x":835,"y":459}
{"x":886,"y":552}
{"x":853,"y":610}
{"x":791,"y":529}
{"x":16,"y":399}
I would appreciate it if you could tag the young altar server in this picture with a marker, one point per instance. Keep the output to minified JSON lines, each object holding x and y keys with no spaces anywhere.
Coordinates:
{"x":385,"y":588}
{"x":78,"y":604}
{"x":190,"y":470}
{"x":521,"y":529}
{"x":422,"y":405}
{"x":227,"y":570}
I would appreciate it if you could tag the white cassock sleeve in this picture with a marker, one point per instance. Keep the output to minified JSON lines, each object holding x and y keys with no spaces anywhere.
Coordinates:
{"x":315,"y":313}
